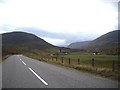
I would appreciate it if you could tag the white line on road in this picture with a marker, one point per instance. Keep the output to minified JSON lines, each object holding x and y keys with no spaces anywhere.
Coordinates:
{"x":24,"y":63}
{"x":38,"y":76}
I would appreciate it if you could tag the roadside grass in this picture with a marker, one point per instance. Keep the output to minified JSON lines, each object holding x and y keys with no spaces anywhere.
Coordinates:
{"x":103,"y":61}
{"x":104,"y":72}
{"x":103,"y":64}
{"x":0,"y":60}
{"x":4,"y":57}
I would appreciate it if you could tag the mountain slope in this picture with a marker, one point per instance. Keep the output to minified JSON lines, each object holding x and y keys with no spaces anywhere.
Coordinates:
{"x":21,"y":42}
{"x":106,"y":41}
{"x":109,"y":41}
{"x":78,"y":45}
{"x":23,"y":39}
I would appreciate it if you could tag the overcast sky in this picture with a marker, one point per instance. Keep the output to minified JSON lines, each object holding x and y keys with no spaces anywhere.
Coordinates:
{"x":60,"y":22}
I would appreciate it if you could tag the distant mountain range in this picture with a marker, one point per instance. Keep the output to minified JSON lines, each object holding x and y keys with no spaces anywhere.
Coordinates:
{"x":21,"y":42}
{"x":78,"y":45}
{"x":107,"y":41}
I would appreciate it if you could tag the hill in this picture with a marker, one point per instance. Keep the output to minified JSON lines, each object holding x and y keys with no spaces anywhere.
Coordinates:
{"x":21,"y":42}
{"x":109,"y":42}
{"x":26,"y":40}
{"x":78,"y":45}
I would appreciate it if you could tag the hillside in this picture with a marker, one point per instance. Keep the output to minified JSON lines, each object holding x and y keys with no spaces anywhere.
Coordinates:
{"x":21,"y":42}
{"x":78,"y":45}
{"x":106,"y":42}
{"x":23,"y":39}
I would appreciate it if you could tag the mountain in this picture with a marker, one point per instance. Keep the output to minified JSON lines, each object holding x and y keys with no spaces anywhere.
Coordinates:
{"x":78,"y":45}
{"x":109,"y":41}
{"x":106,"y":41}
{"x":17,"y":42}
{"x":22,"y":39}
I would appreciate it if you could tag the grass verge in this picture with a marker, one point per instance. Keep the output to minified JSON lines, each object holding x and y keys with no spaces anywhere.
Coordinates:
{"x":104,"y":72}
{"x":100,"y":71}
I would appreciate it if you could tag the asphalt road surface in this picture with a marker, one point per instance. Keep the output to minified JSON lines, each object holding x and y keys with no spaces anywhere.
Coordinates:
{"x":0,"y":76}
{"x":19,"y":71}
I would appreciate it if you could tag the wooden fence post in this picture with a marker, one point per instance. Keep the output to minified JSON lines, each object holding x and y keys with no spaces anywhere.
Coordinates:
{"x":62,"y":60}
{"x":78,"y":61}
{"x":93,"y":62}
{"x":56,"y":58}
{"x":113,"y":65}
{"x":69,"y":60}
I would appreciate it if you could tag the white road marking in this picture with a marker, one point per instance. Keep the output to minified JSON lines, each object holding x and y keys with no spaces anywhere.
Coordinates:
{"x":35,"y":73}
{"x":24,"y":63}
{"x":38,"y":76}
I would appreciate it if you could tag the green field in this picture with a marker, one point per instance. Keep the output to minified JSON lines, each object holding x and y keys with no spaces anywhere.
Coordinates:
{"x":103,"y":64}
{"x":99,"y":60}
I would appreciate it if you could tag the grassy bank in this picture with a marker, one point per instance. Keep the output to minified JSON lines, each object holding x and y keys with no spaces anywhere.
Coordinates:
{"x":101,"y":61}
{"x":103,"y":64}
{"x":107,"y":73}
{"x":5,"y":57}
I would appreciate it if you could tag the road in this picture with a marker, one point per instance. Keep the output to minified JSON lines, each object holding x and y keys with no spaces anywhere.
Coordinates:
{"x":0,"y":76}
{"x":19,"y":71}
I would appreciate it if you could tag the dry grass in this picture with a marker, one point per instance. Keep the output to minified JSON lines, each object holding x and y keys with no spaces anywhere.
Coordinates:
{"x":101,"y":71}
{"x":5,"y":57}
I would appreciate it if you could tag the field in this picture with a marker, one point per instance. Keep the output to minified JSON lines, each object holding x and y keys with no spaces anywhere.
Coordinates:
{"x":104,"y":65}
{"x":104,"y":61}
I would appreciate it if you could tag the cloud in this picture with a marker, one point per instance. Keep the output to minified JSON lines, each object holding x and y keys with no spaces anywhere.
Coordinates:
{"x":2,"y":1}
{"x":60,"y":21}
{"x":7,"y":28}
{"x":43,"y":33}
{"x":60,"y":38}
{"x":55,"y":38}
{"x":59,"y":15}
{"x":119,"y":15}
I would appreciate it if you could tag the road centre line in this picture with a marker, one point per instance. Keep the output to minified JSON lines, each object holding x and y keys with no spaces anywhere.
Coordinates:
{"x":21,"y":60}
{"x":38,"y":76}
{"x":24,"y":63}
{"x":35,"y":74}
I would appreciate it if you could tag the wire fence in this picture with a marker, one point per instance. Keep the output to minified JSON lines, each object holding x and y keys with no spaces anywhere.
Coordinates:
{"x":91,"y":63}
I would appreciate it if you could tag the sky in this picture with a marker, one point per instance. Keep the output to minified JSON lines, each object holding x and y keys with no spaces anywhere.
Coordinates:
{"x":60,"y":22}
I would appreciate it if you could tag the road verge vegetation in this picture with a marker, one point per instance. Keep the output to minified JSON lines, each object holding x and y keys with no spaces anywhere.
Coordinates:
{"x":104,"y":65}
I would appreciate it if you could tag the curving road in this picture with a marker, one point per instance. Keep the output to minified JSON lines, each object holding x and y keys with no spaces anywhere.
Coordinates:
{"x":19,"y":71}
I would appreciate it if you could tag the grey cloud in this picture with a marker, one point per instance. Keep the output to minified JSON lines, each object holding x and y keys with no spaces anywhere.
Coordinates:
{"x":68,"y":37}
{"x":119,"y":15}
{"x":2,"y":1}
{"x":44,"y":33}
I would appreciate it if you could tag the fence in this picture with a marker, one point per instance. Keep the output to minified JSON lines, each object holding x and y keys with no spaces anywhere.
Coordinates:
{"x":113,"y":65}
